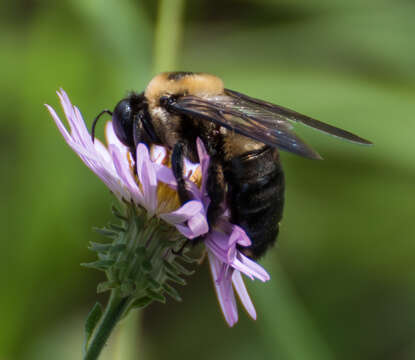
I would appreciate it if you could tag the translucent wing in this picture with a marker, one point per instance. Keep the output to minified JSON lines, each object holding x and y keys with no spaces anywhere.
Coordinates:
{"x":216,"y":110}
{"x":284,"y":114}
{"x":253,"y":118}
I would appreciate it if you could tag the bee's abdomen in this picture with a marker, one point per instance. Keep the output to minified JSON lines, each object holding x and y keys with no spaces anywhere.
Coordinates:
{"x":256,"y":197}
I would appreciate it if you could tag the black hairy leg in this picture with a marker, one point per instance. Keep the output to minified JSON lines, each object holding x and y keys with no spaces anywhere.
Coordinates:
{"x":137,"y":131}
{"x":215,"y":187}
{"x":177,"y":164}
{"x":136,"y":140}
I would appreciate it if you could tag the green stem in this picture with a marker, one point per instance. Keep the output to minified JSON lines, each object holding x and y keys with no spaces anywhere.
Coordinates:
{"x":168,"y":35}
{"x":128,"y":340}
{"x":113,"y":312}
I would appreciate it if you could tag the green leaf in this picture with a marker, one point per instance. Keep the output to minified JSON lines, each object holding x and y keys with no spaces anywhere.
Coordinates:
{"x":106,"y":285}
{"x":117,"y":228}
{"x":175,"y":278}
{"x":127,"y":288}
{"x":141,"y":303}
{"x":172,"y":292}
{"x":117,"y":248}
{"x":156,"y":296}
{"x":117,"y":213}
{"x":106,"y":232}
{"x":188,"y":259}
{"x":122,"y":264}
{"x":140,"y":220}
{"x":153,"y":284}
{"x":141,"y":251}
{"x":99,"y":264}
{"x":99,"y":248}
{"x":178,"y":268}
{"x":146,"y":266}
{"x":91,"y":322}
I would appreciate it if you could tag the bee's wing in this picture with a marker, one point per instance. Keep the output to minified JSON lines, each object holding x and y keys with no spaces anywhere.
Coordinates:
{"x":257,"y":119}
{"x":284,"y":114}
{"x":257,"y":124}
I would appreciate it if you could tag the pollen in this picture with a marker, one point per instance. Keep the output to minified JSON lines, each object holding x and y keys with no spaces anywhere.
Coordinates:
{"x":196,"y":176}
{"x":168,"y":199}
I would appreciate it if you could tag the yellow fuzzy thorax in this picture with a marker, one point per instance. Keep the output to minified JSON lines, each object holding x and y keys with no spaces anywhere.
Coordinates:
{"x":199,"y":84}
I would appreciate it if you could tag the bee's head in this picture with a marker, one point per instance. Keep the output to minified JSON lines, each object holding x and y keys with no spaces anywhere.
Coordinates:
{"x":130,"y":120}
{"x":123,"y":120}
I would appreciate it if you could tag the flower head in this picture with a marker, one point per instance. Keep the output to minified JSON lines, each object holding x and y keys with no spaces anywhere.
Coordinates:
{"x":113,"y":165}
{"x":153,"y":186}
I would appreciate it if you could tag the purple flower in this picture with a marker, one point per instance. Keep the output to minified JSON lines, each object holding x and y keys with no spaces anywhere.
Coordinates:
{"x":113,"y":164}
{"x":153,"y":188}
{"x":226,"y":261}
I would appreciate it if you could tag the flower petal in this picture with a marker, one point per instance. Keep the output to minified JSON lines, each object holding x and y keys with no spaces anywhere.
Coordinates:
{"x":158,"y":153}
{"x":239,"y":236}
{"x":165,"y":175}
{"x":124,"y":172}
{"x":192,"y":188}
{"x":224,"y":291}
{"x":69,"y":113}
{"x":112,"y":139}
{"x":189,"y":167}
{"x":59,"y":124}
{"x":243,"y":295}
{"x":185,"y":231}
{"x":102,"y":151}
{"x":92,"y":158}
{"x":250,"y":268}
{"x":79,"y":131}
{"x":85,"y":136}
{"x":184,"y":213}
{"x":198,"y":224}
{"x":148,"y":179}
{"x":204,"y":163}
{"x":213,"y":242}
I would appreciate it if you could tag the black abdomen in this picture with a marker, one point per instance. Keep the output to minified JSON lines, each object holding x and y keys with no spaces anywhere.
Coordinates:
{"x":256,"y":197}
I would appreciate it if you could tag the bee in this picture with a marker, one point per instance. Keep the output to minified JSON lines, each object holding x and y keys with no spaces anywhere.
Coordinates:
{"x":242,"y":136}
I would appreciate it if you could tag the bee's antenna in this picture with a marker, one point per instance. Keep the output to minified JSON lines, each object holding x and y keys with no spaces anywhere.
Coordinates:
{"x":106,"y":111}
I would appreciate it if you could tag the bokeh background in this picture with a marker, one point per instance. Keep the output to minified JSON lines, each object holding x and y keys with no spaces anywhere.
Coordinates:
{"x":343,"y":272}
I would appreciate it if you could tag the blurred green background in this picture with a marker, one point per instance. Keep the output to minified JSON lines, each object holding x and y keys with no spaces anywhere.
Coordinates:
{"x":343,"y":272}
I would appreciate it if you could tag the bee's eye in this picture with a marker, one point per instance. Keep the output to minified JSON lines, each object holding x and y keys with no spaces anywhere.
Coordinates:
{"x":123,"y":120}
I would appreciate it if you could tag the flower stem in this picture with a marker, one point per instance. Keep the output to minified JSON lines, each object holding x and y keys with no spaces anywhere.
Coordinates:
{"x":168,"y":35}
{"x":113,"y":312}
{"x":128,"y":337}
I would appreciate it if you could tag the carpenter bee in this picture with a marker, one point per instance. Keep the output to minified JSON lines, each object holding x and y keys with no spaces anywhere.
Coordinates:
{"x":242,"y":135}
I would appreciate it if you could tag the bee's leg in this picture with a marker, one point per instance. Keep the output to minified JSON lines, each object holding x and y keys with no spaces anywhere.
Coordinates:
{"x":137,"y":131}
{"x":177,"y":164}
{"x":215,"y":187}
